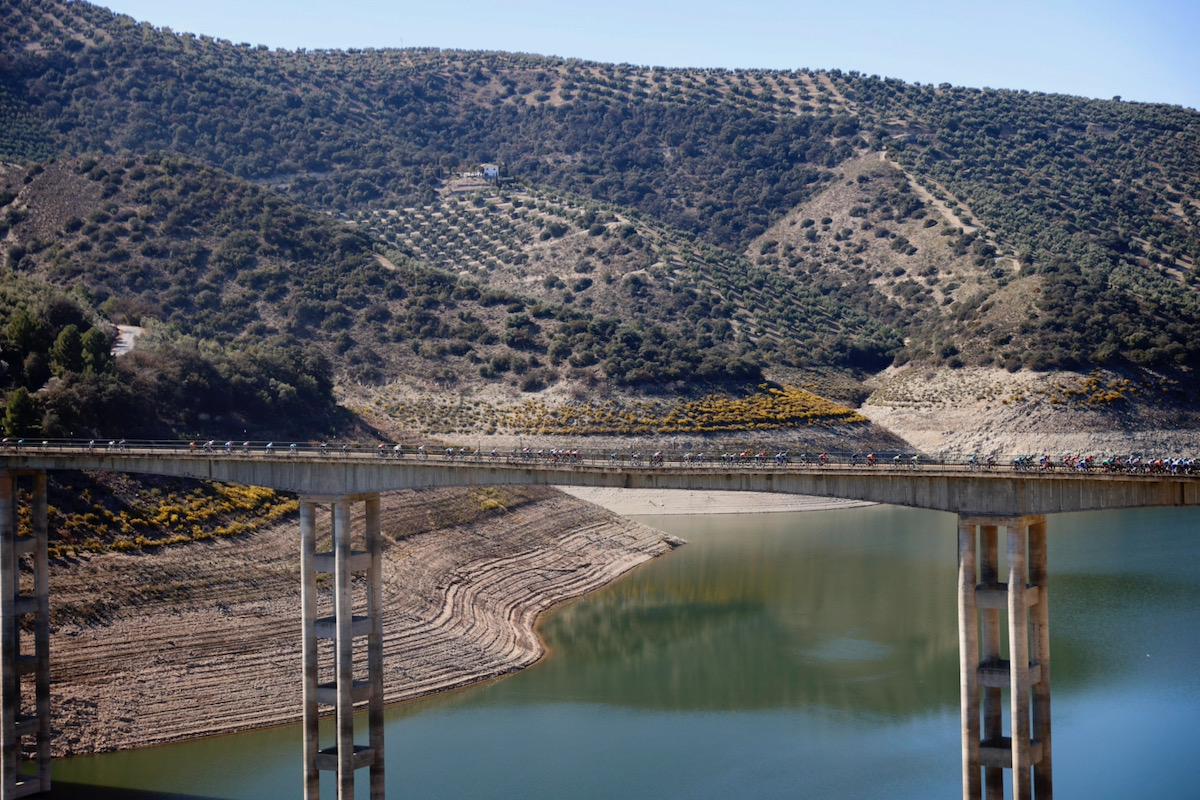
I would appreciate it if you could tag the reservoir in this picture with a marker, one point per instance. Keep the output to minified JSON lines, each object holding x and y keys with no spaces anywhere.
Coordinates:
{"x":791,"y":655}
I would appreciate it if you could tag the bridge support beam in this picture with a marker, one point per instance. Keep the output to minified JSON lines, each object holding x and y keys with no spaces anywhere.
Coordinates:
{"x":332,"y":633}
{"x":1026,"y":671}
{"x":24,"y":716}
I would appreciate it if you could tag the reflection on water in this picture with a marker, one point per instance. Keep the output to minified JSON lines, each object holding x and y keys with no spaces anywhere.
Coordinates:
{"x":784,"y":655}
{"x":83,"y":791}
{"x":758,"y":615}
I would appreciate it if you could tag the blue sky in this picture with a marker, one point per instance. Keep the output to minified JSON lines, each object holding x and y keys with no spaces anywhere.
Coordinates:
{"x":1146,"y":50}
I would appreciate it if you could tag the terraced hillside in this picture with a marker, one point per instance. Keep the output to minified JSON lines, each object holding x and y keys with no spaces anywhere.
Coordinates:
{"x":605,"y":260}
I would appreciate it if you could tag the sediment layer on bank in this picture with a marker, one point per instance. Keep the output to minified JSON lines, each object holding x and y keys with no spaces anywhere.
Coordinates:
{"x":205,"y":638}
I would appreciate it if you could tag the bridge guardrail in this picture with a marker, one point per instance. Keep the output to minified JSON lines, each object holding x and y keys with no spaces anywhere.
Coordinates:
{"x":759,"y":458}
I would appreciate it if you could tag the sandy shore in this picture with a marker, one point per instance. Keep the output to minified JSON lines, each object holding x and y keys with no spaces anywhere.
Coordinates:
{"x":634,"y":502}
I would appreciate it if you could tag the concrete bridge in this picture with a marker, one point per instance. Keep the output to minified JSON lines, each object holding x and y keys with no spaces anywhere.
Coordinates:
{"x":941,"y":487}
{"x":984,"y":500}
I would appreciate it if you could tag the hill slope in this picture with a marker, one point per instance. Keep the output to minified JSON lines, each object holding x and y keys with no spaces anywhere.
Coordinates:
{"x":817,"y":226}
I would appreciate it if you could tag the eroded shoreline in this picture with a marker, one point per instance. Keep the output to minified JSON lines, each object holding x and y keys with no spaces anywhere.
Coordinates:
{"x":205,"y":639}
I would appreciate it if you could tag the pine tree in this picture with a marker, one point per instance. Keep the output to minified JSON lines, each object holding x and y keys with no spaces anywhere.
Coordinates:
{"x":20,"y":414}
{"x":97,"y":355}
{"x":67,"y":353}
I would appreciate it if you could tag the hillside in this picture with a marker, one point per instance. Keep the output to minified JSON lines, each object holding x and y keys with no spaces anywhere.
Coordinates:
{"x":688,"y":232}
{"x":253,"y":299}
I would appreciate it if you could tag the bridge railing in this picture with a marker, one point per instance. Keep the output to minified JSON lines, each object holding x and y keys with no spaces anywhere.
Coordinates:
{"x":631,"y":456}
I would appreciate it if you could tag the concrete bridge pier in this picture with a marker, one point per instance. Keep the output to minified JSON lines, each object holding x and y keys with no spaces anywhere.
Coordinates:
{"x":332,"y":633}
{"x":984,"y":674}
{"x":24,"y":716}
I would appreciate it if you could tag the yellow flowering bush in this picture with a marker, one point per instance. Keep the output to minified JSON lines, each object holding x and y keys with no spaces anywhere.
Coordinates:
{"x":768,"y":409}
{"x":164,"y":518}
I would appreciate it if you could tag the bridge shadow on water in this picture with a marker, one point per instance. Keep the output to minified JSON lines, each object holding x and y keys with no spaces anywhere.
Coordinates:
{"x":62,"y":790}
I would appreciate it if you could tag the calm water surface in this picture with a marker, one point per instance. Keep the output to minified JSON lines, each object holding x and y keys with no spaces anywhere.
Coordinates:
{"x":781,"y":656}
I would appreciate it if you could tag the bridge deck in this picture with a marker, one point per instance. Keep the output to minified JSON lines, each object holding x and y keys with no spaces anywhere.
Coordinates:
{"x":944,"y":487}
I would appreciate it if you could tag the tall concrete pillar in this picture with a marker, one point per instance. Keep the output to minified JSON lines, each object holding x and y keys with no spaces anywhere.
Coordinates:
{"x":993,"y":706}
{"x":1018,"y":660}
{"x":1039,"y":654}
{"x":41,"y":628}
{"x":18,"y":663}
{"x":968,"y":658}
{"x":342,"y":628}
{"x":308,"y":607}
{"x":1025,"y":673}
{"x":374,"y":543}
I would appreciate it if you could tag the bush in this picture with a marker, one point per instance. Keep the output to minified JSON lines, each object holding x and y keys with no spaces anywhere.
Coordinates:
{"x":533,"y":381}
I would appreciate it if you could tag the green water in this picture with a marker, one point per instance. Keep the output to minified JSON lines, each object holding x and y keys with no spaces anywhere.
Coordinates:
{"x":780,"y":656}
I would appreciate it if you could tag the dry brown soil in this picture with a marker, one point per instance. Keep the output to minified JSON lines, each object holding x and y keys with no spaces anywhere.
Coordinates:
{"x":205,"y":638}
